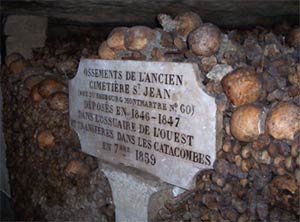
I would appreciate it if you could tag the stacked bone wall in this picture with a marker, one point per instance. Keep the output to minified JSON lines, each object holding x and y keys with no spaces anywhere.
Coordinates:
{"x":255,"y":78}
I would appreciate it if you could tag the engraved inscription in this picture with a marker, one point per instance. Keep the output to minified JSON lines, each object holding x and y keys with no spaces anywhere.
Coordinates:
{"x":150,"y":115}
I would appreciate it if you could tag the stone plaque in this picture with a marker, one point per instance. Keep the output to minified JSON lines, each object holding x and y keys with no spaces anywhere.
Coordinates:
{"x":153,"y":116}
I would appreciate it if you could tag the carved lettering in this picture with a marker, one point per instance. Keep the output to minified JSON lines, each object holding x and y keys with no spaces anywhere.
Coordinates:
{"x":153,"y":116}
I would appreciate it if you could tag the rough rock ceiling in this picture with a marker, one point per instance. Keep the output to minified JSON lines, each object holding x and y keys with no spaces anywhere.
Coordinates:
{"x":230,"y":13}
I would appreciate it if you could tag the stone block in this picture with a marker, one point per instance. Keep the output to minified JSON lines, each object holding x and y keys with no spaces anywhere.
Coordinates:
{"x":25,"y":33}
{"x":25,"y":24}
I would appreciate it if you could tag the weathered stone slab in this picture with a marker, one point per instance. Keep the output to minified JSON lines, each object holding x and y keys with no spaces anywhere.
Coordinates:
{"x":25,"y":24}
{"x":25,"y":32}
{"x":153,"y":116}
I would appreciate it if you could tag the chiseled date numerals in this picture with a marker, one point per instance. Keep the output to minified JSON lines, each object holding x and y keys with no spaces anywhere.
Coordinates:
{"x":145,"y":157}
{"x":168,"y":120}
{"x":162,"y":119}
{"x":143,"y":115}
